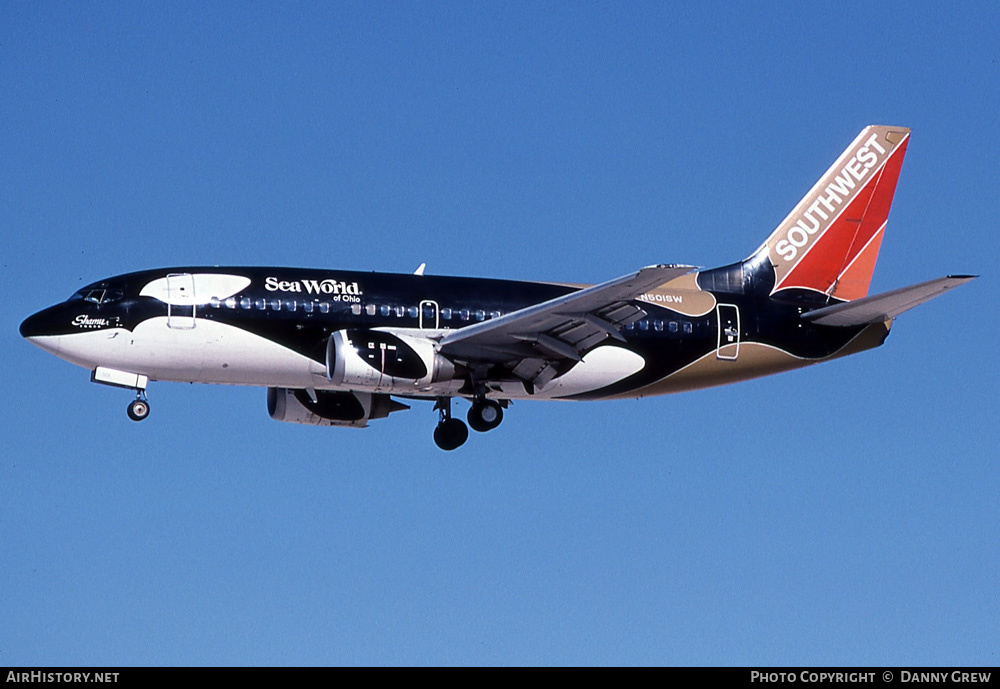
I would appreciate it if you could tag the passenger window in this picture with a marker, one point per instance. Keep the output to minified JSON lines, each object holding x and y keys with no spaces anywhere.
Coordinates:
{"x":412,"y":312}
{"x":324,"y":307}
{"x":308,"y":306}
{"x":290,"y":305}
{"x":480,"y":315}
{"x":688,"y":328}
{"x":494,"y":314}
{"x":261,"y":304}
{"x":673,"y":326}
{"x":643,"y":324}
{"x":276,"y":304}
{"x":245,"y":303}
{"x":214,"y":302}
{"x":356,"y":309}
{"x":658,"y":326}
{"x":231,"y":303}
{"x":446,"y":314}
{"x":400,"y":311}
{"x":370,"y":309}
{"x":464,"y":314}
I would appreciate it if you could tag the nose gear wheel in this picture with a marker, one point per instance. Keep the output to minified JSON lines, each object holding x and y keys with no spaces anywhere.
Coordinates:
{"x":138,"y":409}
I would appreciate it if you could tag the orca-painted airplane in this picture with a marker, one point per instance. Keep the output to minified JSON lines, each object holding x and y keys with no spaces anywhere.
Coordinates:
{"x":334,"y":347}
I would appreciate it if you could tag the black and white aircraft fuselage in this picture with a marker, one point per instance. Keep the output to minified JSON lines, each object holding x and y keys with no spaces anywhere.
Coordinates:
{"x":336,"y":347}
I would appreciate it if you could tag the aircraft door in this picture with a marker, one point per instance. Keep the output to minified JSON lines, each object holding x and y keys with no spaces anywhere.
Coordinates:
{"x":180,"y":301}
{"x":429,"y":314}
{"x":729,"y":332}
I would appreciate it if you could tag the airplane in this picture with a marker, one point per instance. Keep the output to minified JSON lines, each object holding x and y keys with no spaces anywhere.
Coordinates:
{"x":343,"y":348}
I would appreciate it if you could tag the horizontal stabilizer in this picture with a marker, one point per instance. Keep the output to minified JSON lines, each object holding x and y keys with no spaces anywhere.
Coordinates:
{"x":885,"y":306}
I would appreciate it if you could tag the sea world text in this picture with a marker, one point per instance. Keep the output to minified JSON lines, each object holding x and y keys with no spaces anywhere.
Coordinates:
{"x":328,"y":286}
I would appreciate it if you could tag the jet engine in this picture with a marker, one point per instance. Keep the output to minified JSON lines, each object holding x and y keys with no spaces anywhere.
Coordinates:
{"x":330,"y":408}
{"x":379,"y":360}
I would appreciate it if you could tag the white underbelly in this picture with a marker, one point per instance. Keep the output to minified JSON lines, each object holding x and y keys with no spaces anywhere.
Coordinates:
{"x":210,"y":352}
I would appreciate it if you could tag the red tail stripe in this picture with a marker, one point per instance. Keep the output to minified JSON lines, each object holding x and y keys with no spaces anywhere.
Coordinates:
{"x":849,"y":233}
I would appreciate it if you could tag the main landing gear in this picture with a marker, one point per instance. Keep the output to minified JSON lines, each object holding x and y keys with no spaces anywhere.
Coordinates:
{"x":485,"y":415}
{"x":138,"y":409}
{"x":451,"y":433}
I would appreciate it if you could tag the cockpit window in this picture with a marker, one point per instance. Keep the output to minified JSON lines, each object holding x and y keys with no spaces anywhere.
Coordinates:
{"x":98,"y":295}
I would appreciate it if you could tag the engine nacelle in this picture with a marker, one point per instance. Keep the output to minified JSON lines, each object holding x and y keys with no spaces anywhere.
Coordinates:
{"x":331,"y":408}
{"x":380,"y":360}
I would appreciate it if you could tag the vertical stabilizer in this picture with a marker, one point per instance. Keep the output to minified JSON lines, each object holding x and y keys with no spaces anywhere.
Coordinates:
{"x":829,"y":243}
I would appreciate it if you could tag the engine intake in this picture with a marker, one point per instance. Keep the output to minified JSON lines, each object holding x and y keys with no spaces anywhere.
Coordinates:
{"x":380,"y":360}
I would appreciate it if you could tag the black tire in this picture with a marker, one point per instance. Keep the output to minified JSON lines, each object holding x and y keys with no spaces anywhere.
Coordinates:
{"x":138,"y":410}
{"x":451,"y":434}
{"x":485,"y":416}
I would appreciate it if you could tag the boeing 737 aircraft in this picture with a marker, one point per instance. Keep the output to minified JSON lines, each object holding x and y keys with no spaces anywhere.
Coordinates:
{"x":341,"y":348}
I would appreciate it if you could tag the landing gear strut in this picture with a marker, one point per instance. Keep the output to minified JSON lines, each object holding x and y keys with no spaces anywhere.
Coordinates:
{"x":139,"y":407}
{"x":450,"y":433}
{"x":485,"y":415}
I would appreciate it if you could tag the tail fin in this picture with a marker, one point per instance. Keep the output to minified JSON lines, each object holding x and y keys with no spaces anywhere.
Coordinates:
{"x":829,"y":243}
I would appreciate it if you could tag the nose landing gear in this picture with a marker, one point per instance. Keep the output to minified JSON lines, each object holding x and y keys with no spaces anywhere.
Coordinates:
{"x":138,"y":409}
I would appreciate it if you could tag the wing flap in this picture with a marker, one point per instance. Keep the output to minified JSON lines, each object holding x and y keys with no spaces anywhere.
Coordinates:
{"x":560,"y":330}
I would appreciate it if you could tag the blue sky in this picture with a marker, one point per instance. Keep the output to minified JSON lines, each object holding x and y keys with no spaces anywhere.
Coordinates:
{"x":843,"y":514}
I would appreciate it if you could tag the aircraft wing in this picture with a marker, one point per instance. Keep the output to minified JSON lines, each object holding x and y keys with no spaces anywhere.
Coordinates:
{"x":885,"y":306}
{"x":538,"y":339}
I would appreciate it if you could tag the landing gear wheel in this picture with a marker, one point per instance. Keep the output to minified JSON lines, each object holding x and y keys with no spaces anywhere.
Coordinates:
{"x":138,"y":410}
{"x":451,"y":434}
{"x":485,"y":415}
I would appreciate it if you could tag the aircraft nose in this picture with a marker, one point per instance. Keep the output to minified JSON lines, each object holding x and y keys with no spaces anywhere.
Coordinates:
{"x":50,"y":321}
{"x":33,"y":326}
